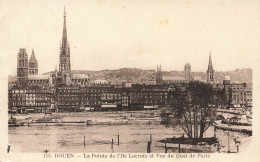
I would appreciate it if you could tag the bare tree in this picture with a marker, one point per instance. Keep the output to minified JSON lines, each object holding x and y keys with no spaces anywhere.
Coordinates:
{"x":191,"y":108}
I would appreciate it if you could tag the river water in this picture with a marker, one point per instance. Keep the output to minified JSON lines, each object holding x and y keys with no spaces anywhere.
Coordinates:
{"x":133,"y":138}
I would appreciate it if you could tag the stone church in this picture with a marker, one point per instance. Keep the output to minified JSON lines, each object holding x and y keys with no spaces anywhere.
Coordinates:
{"x":27,"y":72}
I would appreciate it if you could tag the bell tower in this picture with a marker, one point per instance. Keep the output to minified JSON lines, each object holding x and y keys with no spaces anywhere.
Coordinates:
{"x":22,"y":68}
{"x":33,"y":65}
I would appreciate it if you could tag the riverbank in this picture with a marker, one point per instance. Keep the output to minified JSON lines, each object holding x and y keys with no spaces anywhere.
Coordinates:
{"x":235,"y":128}
{"x":92,"y":118}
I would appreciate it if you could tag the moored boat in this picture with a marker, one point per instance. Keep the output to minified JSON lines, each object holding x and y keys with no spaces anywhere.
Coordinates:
{"x":19,"y":116}
{"x":12,"y":122}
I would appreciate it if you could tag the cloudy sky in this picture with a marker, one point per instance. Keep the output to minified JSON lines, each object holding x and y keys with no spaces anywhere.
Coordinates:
{"x":111,"y":34}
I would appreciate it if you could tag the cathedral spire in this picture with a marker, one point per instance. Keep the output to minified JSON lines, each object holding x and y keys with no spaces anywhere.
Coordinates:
{"x":210,"y":71}
{"x":64,"y":34}
{"x":33,"y":56}
{"x":33,"y":65}
{"x":64,"y":12}
{"x":64,"y":65}
{"x":210,"y":66}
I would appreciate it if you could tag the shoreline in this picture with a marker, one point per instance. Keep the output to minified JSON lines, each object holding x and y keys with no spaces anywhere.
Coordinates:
{"x":235,"y":128}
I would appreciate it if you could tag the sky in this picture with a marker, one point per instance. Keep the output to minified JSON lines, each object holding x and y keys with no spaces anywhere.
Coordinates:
{"x":112,"y":34}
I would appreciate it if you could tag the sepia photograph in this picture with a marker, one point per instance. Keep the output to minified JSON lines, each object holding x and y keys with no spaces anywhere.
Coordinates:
{"x":129,"y":79}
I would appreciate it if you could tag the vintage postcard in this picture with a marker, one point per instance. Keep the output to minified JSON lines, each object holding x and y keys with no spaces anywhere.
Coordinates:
{"x":137,"y":80}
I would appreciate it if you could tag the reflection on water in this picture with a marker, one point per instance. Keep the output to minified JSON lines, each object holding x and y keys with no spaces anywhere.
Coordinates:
{"x":98,"y":138}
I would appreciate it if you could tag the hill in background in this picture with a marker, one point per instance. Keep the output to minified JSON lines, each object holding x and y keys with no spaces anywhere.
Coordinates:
{"x":135,"y":75}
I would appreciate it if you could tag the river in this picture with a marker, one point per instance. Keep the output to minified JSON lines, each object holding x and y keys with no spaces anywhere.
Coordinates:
{"x":98,"y":138}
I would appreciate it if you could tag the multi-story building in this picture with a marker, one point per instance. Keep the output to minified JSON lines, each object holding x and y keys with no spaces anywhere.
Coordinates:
{"x":136,"y":97}
{"x":42,"y":100}
{"x":154,"y":96}
{"x":237,"y":94}
{"x":18,"y":98}
{"x":125,"y":97}
{"x":249,"y":95}
{"x":148,"y":96}
{"x":31,"y":99}
{"x":69,"y":98}
{"x":111,"y":98}
{"x":10,"y":101}
{"x":91,"y":97}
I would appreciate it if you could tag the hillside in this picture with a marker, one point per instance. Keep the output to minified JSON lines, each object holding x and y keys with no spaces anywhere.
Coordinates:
{"x":139,"y":75}
{"x":135,"y":75}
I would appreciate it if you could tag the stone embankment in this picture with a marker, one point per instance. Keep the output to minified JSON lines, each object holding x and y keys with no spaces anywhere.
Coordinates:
{"x":93,"y":118}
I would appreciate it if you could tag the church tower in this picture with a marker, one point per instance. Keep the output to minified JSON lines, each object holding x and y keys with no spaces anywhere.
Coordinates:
{"x":187,"y":71}
{"x":159,"y":79}
{"x":64,"y":65}
{"x":33,"y":65}
{"x":210,"y":72}
{"x":22,"y":68}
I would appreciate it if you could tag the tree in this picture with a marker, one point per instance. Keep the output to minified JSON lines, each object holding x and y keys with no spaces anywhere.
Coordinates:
{"x":191,"y":108}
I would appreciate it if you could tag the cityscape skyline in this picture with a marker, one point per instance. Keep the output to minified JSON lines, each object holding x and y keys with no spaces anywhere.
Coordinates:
{"x":178,"y":73}
{"x":137,"y":56}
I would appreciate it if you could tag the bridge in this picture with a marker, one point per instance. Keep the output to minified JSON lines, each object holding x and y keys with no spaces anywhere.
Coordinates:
{"x":240,"y":121}
{"x":231,"y":115}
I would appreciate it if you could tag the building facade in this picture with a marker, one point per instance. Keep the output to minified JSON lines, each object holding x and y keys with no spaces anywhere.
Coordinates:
{"x":237,"y":94}
{"x":69,"y":98}
{"x":29,"y":100}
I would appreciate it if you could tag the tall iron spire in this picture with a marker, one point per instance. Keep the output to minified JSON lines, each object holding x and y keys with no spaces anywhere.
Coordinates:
{"x":210,"y":66}
{"x":64,"y":34}
{"x":64,"y":65}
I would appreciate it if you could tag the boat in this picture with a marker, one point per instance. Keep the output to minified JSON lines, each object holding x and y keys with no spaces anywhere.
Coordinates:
{"x":19,"y":116}
{"x":12,"y":122}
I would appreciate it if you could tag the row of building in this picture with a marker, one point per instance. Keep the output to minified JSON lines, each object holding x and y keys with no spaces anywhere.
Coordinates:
{"x":96,"y":97}
{"x":74,"y":98}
